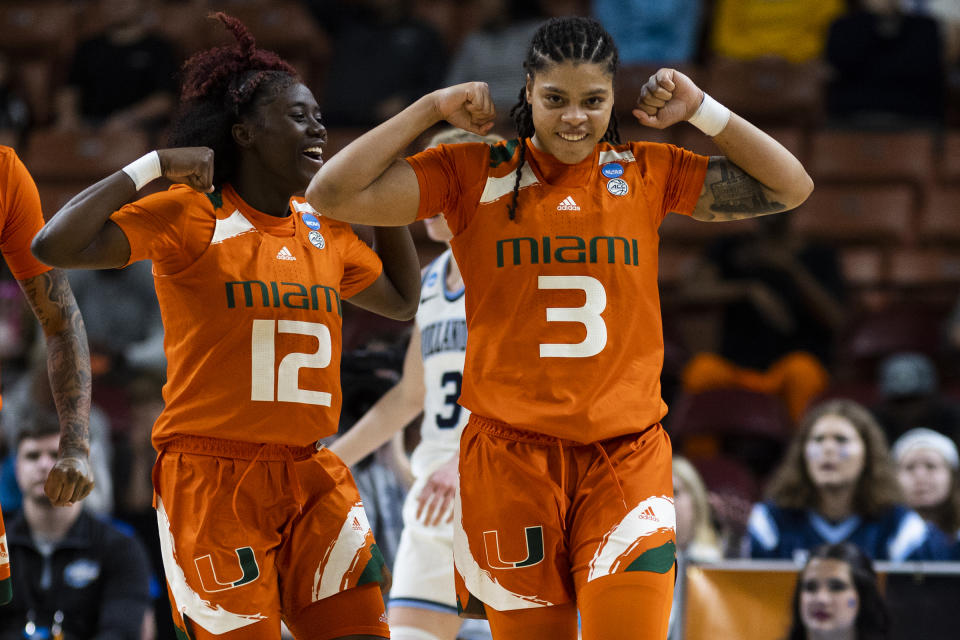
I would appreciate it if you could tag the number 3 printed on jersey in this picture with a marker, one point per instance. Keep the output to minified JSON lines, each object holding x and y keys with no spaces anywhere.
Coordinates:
{"x":286,"y":379}
{"x":588,"y":315}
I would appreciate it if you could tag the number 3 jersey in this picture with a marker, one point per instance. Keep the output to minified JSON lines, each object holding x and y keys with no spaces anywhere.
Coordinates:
{"x":562,"y":304}
{"x":251,"y":307}
{"x":442,"y":323}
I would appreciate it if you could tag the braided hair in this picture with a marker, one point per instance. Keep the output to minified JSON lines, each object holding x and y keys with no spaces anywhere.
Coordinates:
{"x":222,"y":86}
{"x":559,"y":40}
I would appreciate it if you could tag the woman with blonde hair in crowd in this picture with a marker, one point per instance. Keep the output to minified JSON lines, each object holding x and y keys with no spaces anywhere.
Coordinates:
{"x":837,"y":483}
{"x":927,"y":467}
{"x":697,"y":539}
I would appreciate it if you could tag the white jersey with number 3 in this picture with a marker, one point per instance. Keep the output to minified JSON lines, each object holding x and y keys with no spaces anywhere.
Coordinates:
{"x":442,"y":322}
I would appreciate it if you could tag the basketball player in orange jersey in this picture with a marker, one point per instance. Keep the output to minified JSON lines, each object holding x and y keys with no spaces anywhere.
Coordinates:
{"x":68,"y":356}
{"x":258,"y":523}
{"x":565,"y":496}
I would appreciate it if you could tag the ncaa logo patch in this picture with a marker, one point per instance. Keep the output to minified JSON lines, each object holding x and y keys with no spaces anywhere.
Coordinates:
{"x":612,"y":170}
{"x":618,"y":187}
{"x":316,"y":239}
{"x":311,"y":221}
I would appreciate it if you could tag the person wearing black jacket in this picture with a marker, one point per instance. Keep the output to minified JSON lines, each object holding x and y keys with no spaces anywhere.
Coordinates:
{"x":74,"y":575}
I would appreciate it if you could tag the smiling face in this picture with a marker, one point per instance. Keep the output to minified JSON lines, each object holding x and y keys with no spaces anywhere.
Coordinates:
{"x":925,"y":477}
{"x":834,"y":452}
{"x":571,"y":105}
{"x":285,"y":138}
{"x":828,"y":598}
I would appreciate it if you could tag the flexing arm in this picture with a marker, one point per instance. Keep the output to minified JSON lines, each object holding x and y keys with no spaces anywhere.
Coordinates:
{"x":396,"y":293}
{"x":755,"y":176}
{"x":394,"y":410}
{"x":81,"y":235}
{"x":68,"y":365}
{"x":366,"y":182}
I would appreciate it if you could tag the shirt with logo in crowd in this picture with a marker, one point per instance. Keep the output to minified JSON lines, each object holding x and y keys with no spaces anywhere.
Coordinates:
{"x":251,"y":307}
{"x":563,"y":310}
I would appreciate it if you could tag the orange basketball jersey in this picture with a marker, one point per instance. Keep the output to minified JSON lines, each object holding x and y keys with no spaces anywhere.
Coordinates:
{"x":251,"y":307}
{"x":563,"y":310}
{"x":6,"y":589}
{"x":20,"y":216}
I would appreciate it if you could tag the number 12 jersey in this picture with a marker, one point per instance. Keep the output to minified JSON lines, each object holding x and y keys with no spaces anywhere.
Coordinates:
{"x":252,"y":315}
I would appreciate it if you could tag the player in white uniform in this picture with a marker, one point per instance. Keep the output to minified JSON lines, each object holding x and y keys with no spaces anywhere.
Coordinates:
{"x":423,"y":603}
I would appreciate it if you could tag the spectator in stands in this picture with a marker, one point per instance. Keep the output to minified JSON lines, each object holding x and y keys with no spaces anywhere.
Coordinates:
{"x":122,"y":77}
{"x":791,"y":29}
{"x":910,"y":396}
{"x":877,"y":46}
{"x":782,"y":305}
{"x":383,"y":59}
{"x":653,"y":31}
{"x":838,"y":483}
{"x":837,"y":597}
{"x":134,"y":458}
{"x":74,"y":575}
{"x":32,"y":393}
{"x":697,"y":539}
{"x":927,"y":466}
{"x":14,"y":110}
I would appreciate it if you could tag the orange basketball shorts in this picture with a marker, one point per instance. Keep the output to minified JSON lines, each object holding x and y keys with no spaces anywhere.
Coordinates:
{"x":537,"y":518}
{"x":252,"y":534}
{"x":6,"y":589}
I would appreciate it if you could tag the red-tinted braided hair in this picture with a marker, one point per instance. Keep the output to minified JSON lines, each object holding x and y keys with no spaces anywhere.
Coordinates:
{"x":218,"y":87}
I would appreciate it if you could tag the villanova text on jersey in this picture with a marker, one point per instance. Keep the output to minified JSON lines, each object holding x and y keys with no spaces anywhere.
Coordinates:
{"x":445,"y":335}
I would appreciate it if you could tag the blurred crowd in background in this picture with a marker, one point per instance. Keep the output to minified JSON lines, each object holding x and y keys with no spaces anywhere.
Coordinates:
{"x":804,"y":351}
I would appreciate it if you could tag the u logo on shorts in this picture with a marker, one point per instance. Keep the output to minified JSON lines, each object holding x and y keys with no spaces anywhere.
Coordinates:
{"x":534,"y":535}
{"x":211,"y":583}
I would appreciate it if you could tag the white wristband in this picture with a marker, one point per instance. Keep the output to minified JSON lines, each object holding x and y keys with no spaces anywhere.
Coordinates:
{"x":711,"y":117}
{"x":144,"y":169}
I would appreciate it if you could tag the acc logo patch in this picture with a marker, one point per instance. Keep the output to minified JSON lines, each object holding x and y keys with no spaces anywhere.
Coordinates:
{"x":612,"y":170}
{"x":618,"y":187}
{"x":80,"y":573}
{"x":311,"y":221}
{"x":316,"y":239}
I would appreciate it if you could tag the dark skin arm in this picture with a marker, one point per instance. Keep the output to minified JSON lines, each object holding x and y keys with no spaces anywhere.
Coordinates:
{"x":68,"y":365}
{"x":81,"y":235}
{"x":396,"y":293}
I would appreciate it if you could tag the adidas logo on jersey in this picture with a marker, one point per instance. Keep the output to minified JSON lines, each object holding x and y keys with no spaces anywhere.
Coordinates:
{"x":284,"y":254}
{"x":648,"y":514}
{"x":356,"y":524}
{"x":568,"y":205}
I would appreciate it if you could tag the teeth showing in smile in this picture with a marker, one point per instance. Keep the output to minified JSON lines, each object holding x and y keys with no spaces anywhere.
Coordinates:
{"x":572,"y":137}
{"x":314,"y":151}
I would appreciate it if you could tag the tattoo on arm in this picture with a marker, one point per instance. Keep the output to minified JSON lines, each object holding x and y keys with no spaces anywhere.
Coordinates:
{"x":729,"y":193}
{"x":68,"y":355}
